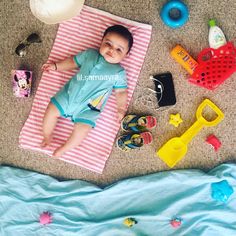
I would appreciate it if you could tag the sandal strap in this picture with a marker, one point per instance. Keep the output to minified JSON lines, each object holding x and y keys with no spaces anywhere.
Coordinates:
{"x":134,"y":121}
{"x":149,"y":122}
{"x":147,"y":137}
{"x":128,"y":140}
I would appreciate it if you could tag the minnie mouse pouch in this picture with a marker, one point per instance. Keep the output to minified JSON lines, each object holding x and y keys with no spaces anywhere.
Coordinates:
{"x":21,"y":82}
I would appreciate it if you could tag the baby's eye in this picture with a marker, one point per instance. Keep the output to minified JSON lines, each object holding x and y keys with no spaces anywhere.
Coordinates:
{"x":118,"y":50}
{"x":107,"y":43}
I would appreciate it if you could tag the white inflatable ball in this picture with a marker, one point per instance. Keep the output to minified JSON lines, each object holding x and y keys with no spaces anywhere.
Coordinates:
{"x":55,"y":11}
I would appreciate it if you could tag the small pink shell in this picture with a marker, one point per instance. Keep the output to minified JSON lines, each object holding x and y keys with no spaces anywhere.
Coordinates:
{"x":45,"y":218}
{"x":175,"y":222}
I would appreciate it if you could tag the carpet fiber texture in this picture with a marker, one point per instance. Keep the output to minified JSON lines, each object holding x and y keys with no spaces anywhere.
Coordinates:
{"x":17,"y":22}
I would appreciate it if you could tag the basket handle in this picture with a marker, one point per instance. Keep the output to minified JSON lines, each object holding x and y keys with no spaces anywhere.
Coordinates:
{"x":205,"y":55}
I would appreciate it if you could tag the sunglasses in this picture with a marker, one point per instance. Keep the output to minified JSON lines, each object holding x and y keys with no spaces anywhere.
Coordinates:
{"x":21,"y":48}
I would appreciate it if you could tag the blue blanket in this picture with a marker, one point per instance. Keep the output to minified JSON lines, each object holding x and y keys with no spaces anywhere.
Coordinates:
{"x":180,"y":202}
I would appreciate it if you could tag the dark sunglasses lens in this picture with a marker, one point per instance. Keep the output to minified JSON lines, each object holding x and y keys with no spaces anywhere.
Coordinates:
{"x":34,"y":38}
{"x":20,"y":50}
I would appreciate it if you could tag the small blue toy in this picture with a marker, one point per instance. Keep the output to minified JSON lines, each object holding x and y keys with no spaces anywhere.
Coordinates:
{"x":174,"y":13}
{"x":221,"y":191}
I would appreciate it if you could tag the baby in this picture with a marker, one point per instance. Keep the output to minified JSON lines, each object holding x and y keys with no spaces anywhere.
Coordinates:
{"x":83,"y":97}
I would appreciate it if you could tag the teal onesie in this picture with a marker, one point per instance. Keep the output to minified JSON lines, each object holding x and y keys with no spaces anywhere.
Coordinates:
{"x":85,"y":95}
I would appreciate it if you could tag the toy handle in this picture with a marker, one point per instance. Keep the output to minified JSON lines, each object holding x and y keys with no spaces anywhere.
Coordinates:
{"x":201,"y":121}
{"x":191,"y":132}
{"x":205,"y":55}
{"x":218,"y":119}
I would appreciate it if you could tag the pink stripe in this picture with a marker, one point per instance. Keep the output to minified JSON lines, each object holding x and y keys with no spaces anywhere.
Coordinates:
{"x":93,"y":41}
{"x":71,"y":159}
{"x":29,"y":140}
{"x":95,"y":25}
{"x":135,"y":51}
{"x":96,"y":148}
{"x":87,"y":12}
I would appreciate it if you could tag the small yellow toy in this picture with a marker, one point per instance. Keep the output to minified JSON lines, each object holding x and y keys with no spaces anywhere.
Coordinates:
{"x":175,"y":120}
{"x":129,"y":222}
{"x":175,"y":149}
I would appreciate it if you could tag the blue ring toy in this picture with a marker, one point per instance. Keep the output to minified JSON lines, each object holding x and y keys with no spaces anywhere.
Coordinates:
{"x":171,"y":21}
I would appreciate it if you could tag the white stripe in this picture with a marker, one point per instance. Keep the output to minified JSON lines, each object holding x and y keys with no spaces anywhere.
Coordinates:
{"x":117,"y":18}
{"x":29,"y":140}
{"x":74,"y":161}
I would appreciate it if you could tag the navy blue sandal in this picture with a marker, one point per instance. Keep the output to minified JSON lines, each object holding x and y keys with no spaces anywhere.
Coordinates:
{"x":137,"y":123}
{"x":133,"y":140}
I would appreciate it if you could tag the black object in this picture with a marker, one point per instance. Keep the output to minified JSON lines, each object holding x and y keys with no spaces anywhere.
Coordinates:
{"x":21,"y":48}
{"x":165,"y":91}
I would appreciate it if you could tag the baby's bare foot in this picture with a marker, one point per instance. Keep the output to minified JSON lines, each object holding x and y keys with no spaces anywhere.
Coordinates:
{"x":46,"y":141}
{"x":58,"y":152}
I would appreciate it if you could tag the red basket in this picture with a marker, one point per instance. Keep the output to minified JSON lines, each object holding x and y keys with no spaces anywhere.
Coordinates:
{"x":215,"y":66}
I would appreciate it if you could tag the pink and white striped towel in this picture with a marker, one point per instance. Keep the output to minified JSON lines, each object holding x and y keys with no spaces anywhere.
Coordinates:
{"x":82,"y":32}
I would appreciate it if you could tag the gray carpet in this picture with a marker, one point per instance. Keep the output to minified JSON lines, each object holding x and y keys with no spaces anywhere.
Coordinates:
{"x":17,"y":22}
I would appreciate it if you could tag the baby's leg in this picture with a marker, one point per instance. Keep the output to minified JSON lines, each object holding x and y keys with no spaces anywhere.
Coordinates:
{"x":79,"y":132}
{"x":49,"y":123}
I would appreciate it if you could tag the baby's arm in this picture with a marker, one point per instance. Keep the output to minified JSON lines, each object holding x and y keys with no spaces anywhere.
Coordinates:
{"x":67,"y":64}
{"x":121,"y":101}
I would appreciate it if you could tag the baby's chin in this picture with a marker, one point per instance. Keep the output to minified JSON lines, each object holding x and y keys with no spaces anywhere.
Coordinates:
{"x":111,"y":60}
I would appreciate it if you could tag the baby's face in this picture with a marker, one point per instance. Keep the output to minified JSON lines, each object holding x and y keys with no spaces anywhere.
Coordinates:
{"x":114,"y":48}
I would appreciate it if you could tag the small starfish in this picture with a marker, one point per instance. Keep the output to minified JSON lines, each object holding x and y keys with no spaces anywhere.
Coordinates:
{"x":175,"y":120}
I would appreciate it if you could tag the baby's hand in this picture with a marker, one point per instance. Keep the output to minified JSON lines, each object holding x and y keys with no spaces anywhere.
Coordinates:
{"x":48,"y":66}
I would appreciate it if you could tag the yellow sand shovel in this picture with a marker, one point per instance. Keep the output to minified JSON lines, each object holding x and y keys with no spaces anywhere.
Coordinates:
{"x":175,"y":149}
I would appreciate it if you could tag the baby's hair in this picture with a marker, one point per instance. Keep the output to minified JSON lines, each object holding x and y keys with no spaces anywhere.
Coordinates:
{"x":122,"y":31}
